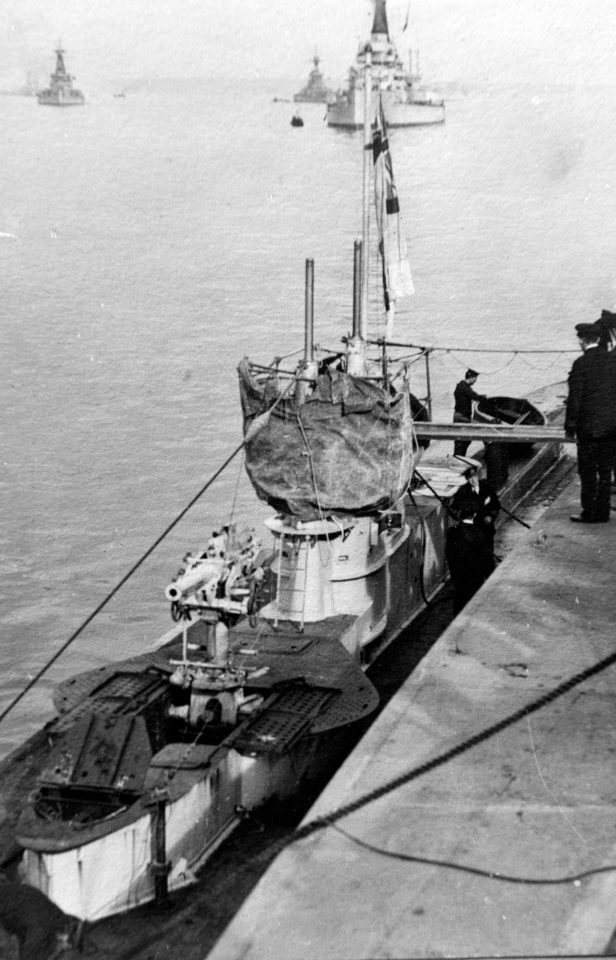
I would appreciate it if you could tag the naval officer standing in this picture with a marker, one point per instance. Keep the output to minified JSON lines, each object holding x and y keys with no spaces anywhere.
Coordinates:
{"x":590,"y":419}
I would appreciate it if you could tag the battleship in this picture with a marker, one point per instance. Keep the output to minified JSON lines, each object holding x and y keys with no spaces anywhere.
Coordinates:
{"x":405,"y":101}
{"x":151,"y":762}
{"x":315,"y":90}
{"x":60,"y":92}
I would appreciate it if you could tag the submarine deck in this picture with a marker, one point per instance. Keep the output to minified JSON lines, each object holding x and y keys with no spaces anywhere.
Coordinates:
{"x":468,"y":822}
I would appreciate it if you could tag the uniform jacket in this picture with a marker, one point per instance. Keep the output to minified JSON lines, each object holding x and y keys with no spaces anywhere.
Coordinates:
{"x":591,"y":403}
{"x":464,"y":396}
{"x":484,"y":503}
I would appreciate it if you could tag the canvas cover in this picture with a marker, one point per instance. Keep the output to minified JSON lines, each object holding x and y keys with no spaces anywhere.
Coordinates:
{"x":348,"y":449}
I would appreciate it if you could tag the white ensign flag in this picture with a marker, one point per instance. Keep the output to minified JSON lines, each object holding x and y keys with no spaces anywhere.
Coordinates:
{"x":397,"y":278}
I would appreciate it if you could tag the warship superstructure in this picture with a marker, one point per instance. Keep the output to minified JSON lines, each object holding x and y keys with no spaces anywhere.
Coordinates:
{"x":315,"y":90}
{"x":406,"y":102}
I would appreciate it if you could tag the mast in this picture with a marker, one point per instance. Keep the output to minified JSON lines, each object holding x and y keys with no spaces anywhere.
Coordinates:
{"x":357,"y":258}
{"x":309,"y":366}
{"x":356,"y":348}
{"x":366,"y":191}
{"x":60,"y":68}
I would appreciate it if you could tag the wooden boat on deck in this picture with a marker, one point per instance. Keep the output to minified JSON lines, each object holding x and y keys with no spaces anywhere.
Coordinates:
{"x":508,"y":410}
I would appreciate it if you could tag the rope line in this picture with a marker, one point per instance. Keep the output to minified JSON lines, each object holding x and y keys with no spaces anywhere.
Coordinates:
{"x":235,"y":495}
{"x":329,"y":819}
{"x":476,"y":871}
{"x":117,"y":587}
{"x":433,"y":349}
{"x":35,"y":679}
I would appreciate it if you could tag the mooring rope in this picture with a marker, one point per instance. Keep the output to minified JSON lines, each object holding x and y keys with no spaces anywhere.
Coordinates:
{"x":329,"y":819}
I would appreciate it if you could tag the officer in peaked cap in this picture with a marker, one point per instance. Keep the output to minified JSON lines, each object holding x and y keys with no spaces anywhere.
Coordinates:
{"x":590,"y":419}
{"x":588,"y":331}
{"x":480,"y":496}
{"x":607,"y":326}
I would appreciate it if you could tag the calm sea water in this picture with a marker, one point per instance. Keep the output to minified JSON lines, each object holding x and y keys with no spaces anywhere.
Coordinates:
{"x":159,"y":238}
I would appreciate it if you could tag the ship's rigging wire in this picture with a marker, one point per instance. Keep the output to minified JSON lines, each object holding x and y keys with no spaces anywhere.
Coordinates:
{"x":475,"y":871}
{"x":311,"y":462}
{"x":493,"y":372}
{"x":254,"y":427}
{"x":329,"y":819}
{"x":235,"y":494}
{"x":433,"y":349}
{"x":118,"y":585}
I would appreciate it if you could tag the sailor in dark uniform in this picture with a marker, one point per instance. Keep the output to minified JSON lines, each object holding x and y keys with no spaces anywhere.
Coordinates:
{"x":469,"y":557}
{"x":607,"y":342}
{"x":480,"y":497}
{"x":464,"y":395}
{"x":590,"y":419}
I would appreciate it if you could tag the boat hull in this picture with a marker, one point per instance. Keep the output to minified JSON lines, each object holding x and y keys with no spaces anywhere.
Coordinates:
{"x":114,"y":873}
{"x":60,"y":101}
{"x":200,"y":791}
{"x":95,"y":865}
{"x":508,"y":410}
{"x":108,"y":868}
{"x":348,"y":111}
{"x":513,"y":410}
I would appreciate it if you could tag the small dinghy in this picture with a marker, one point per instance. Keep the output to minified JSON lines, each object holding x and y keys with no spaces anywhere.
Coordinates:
{"x":508,"y":410}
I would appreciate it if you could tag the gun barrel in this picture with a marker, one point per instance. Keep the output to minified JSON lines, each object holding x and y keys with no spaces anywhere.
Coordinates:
{"x":194,"y":578}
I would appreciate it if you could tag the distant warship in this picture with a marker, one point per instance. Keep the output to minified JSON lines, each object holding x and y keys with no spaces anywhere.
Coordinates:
{"x":405,"y":102}
{"x":315,"y":90}
{"x":60,"y":92}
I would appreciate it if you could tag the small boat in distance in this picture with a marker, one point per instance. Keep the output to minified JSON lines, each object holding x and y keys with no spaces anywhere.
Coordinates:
{"x":406,"y":103}
{"x":296,"y":120}
{"x":60,"y":92}
{"x":316,"y":90}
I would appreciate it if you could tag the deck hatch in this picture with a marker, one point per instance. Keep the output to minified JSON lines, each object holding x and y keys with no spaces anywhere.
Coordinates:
{"x":282,"y":724}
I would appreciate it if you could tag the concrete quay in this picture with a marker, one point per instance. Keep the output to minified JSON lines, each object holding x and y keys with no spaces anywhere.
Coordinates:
{"x":508,"y":847}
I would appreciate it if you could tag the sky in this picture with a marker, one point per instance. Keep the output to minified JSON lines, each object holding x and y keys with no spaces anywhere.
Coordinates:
{"x":459,"y":41}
